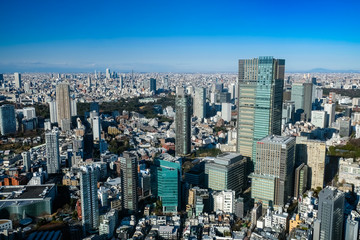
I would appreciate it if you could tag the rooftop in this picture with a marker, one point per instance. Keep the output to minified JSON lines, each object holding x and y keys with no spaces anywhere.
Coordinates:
{"x":23,"y":192}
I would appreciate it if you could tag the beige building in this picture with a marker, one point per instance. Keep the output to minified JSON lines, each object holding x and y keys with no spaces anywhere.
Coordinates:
{"x":313,"y":154}
{"x":63,"y":105}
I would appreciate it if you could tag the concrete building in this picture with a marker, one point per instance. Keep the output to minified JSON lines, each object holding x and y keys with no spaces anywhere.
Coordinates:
{"x":224,"y":201}
{"x":349,"y":172}
{"x":96,"y":129}
{"x":182,"y":123}
{"x":226,"y":172}
{"x":7,"y":119}
{"x":331,"y":214}
{"x":301,"y":95}
{"x":274,"y":167}
{"x":256,"y":213}
{"x":53,"y":112}
{"x":108,"y":223}
{"x":319,"y":118}
{"x":351,"y":229}
{"x":226,"y":111}
{"x":259,"y":108}
{"x":89,"y":198}
{"x":199,"y":104}
{"x":29,"y":112}
{"x":26,"y":156}
{"x":345,"y":127}
{"x":63,"y":104}
{"x":129,"y":182}
{"x":17,"y":80}
{"x":288,"y":112}
{"x":301,"y":178}
{"x":329,"y":108}
{"x":313,"y":154}
{"x":52,"y":152}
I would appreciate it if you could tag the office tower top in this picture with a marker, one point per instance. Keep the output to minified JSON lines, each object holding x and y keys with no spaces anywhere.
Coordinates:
{"x":182,"y":123}
{"x":331,"y":213}
{"x":261,"y":83}
{"x":63,"y":102}
{"x":17,"y":80}
{"x":7,"y":119}
{"x":89,"y":198}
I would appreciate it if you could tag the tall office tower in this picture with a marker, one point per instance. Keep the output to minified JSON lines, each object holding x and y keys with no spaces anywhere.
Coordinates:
{"x":63,"y":105}
{"x":17,"y":80}
{"x":352,"y":229}
{"x":224,"y":201}
{"x":226,"y":111}
{"x":166,"y":178}
{"x":26,"y":160}
{"x":52,"y":152}
{"x":319,"y":119}
{"x":152,"y":85}
{"x":73,"y":107}
{"x":288,"y":112}
{"x":108,"y":74}
{"x":199,"y":104}
{"x":261,"y":83}
{"x":226,"y":171}
{"x":89,"y":198}
{"x":330,"y":214}
{"x":233,"y":91}
{"x":96,"y":128}
{"x":345,"y":126}
{"x":53,"y":112}
{"x":313,"y":154}
{"x":89,"y":81}
{"x":129,"y":182}
{"x":166,"y":82}
{"x":301,"y":94}
{"x":273,"y":178}
{"x":301,"y":177}
{"x":121,"y":81}
{"x":182,"y":123}
{"x":7,"y":119}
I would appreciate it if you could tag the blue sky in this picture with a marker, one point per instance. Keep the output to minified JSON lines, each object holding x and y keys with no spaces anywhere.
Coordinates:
{"x":176,"y":36}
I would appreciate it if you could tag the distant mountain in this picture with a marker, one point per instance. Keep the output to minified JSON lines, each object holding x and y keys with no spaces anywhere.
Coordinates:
{"x":324,"y":70}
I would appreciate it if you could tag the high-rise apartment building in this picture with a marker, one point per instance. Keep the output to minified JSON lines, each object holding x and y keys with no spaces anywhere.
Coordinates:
{"x":313,"y":154}
{"x":199,"y":104}
{"x":26,"y":156}
{"x":17,"y":80}
{"x":89,"y":198}
{"x":53,"y":111}
{"x":182,"y":123}
{"x":7,"y":119}
{"x":261,"y":83}
{"x":129,"y":182}
{"x":63,"y":103}
{"x":52,"y":152}
{"x":226,"y":172}
{"x":272,"y":180}
{"x":330,"y":214}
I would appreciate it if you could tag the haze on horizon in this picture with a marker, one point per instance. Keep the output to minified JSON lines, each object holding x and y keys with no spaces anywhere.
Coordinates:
{"x":176,"y":36}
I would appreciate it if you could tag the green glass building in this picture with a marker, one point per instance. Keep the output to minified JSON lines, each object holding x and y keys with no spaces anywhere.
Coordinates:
{"x":261,"y":82}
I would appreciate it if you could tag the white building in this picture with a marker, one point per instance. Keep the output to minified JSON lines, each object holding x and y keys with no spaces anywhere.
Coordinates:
{"x":349,"y":172}
{"x":108,"y":224}
{"x":226,"y":111}
{"x":318,"y":118}
{"x":29,"y":112}
{"x":5,"y":224}
{"x":96,"y":128}
{"x":224,"y":201}
{"x":329,"y":108}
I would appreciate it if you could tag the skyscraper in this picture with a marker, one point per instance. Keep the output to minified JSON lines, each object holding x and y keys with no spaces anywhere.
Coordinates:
{"x":52,"y":152}
{"x":301,"y":94}
{"x":89,"y":198}
{"x":53,"y":112}
{"x":331,"y":214}
{"x":182,"y":123}
{"x":17,"y":80}
{"x":329,"y":108}
{"x":7,"y":119}
{"x":273,"y":178}
{"x":200,"y":103}
{"x":261,"y":83}
{"x":63,"y":105}
{"x":166,"y":177}
{"x":108,"y":74}
{"x":166,"y":82}
{"x":129,"y":182}
{"x":152,"y":85}
{"x":96,"y":128}
{"x":301,"y":177}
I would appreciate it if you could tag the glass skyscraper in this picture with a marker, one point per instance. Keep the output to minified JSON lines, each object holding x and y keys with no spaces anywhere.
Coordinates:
{"x":182,"y":123}
{"x":261,"y":83}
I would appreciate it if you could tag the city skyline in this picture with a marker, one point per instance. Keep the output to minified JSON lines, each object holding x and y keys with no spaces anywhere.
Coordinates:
{"x":171,"y":37}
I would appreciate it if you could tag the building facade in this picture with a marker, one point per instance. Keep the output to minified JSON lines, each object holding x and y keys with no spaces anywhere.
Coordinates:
{"x":63,"y":103}
{"x":52,"y":152}
{"x":182,"y":123}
